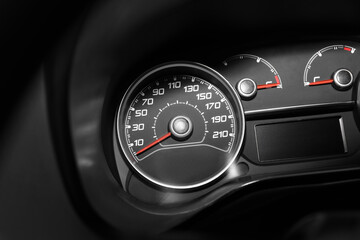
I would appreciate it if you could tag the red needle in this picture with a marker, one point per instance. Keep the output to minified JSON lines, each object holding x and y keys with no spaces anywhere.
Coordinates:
{"x":321,"y":82}
{"x":267,"y":85}
{"x":270,"y":85}
{"x":154,"y":143}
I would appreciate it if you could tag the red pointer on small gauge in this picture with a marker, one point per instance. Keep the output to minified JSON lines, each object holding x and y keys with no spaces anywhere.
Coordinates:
{"x":321,"y":82}
{"x":262,"y":86}
{"x":267,"y":85}
{"x":154,"y":143}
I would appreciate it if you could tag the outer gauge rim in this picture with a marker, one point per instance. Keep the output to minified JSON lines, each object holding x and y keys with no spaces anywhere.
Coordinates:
{"x":194,"y":66}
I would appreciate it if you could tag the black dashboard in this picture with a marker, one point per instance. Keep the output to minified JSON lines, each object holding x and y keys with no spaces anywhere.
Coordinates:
{"x":175,"y":129}
{"x":205,"y":119}
{"x":295,"y":119}
{"x":299,"y":117}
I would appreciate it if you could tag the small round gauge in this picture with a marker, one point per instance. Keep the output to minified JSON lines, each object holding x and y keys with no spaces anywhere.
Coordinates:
{"x":331,"y":65}
{"x":180,"y":125}
{"x":253,"y":73}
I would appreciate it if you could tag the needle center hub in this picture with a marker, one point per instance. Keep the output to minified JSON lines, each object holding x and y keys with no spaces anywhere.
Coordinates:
{"x":343,"y":78}
{"x":181,"y":127}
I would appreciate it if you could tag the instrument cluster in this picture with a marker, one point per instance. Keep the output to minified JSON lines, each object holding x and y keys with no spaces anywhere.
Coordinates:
{"x":185,"y":126}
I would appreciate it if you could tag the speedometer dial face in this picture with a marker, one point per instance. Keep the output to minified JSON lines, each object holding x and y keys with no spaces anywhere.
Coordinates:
{"x":180,"y":125}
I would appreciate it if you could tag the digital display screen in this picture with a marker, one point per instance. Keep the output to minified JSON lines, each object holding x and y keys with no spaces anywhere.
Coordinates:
{"x":300,"y":139}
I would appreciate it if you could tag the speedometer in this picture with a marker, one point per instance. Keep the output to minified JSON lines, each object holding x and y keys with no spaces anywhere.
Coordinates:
{"x":180,"y":125}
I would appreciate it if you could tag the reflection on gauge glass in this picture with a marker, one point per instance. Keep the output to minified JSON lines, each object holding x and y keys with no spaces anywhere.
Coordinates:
{"x":180,"y":125}
{"x":253,"y":73}
{"x":331,"y":65}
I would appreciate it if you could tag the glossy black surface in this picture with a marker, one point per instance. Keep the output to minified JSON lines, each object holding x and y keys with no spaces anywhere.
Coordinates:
{"x":300,"y":139}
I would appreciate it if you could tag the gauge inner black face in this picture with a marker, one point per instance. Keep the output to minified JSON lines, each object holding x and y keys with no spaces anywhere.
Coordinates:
{"x":180,"y":130}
